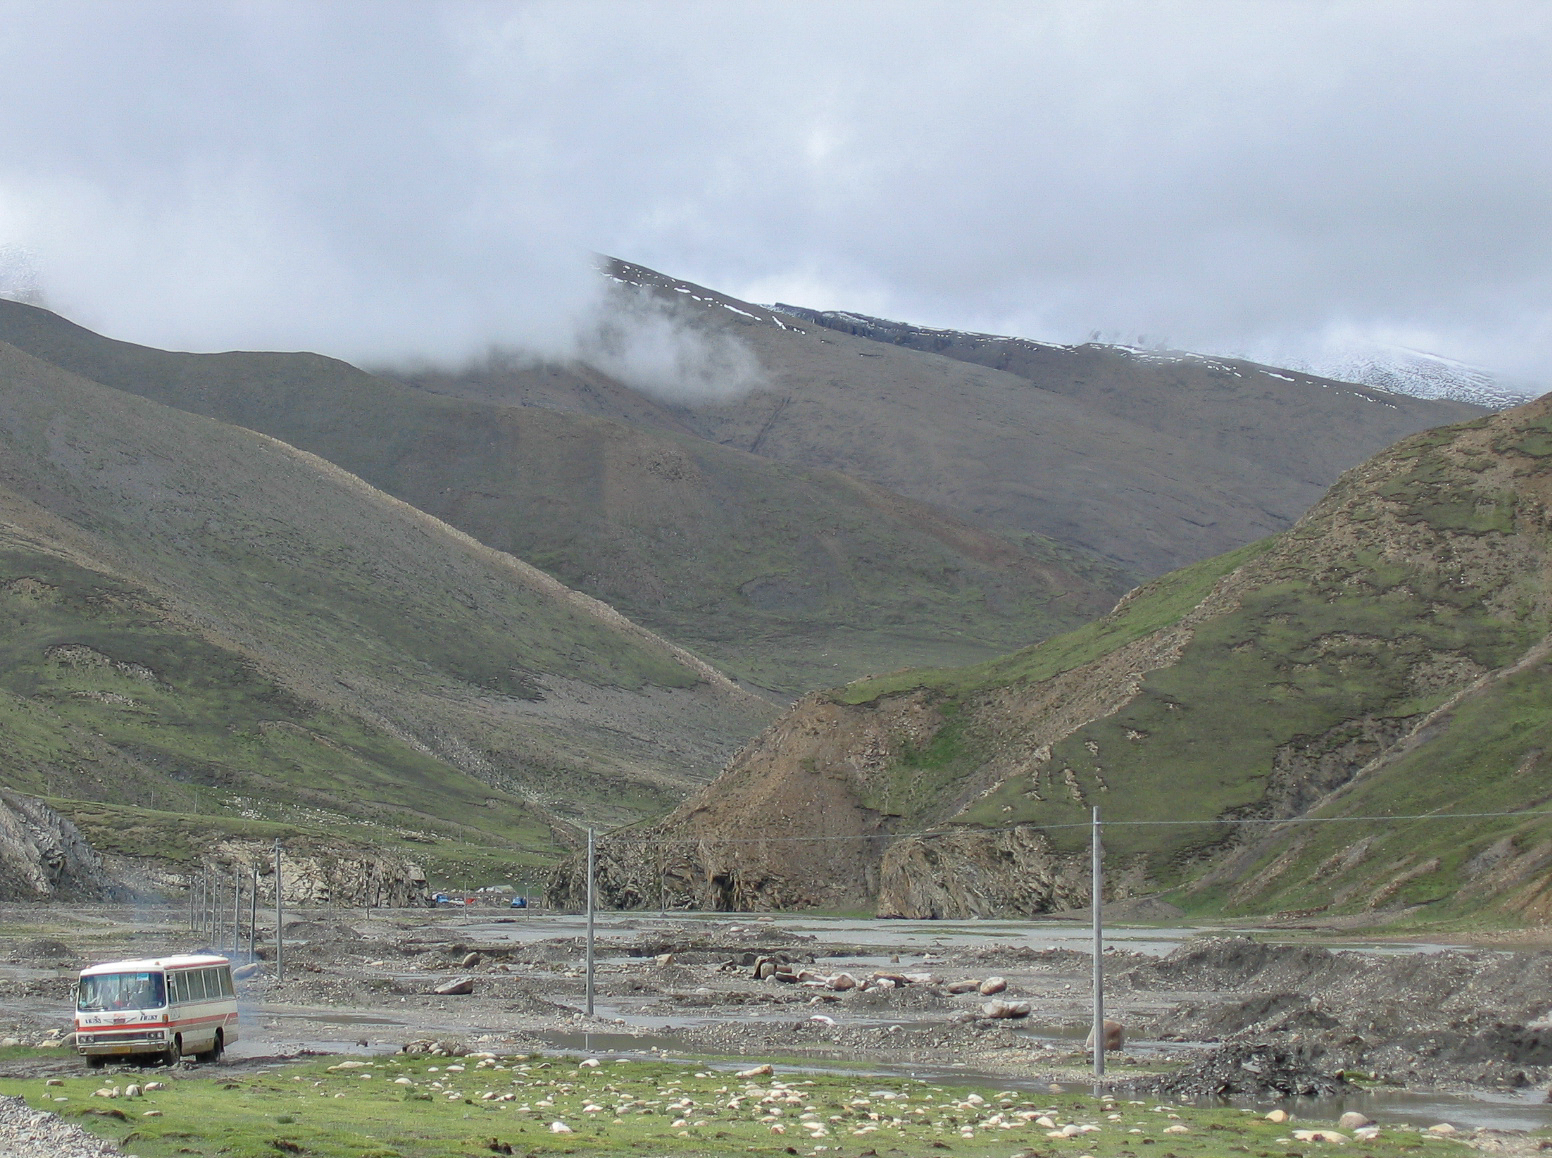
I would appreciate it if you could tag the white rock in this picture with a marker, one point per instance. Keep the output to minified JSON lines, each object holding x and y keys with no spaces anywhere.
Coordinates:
{"x":1330,"y":1136}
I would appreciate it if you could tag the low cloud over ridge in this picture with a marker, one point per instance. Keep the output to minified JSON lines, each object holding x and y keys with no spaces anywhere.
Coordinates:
{"x":395,"y":180}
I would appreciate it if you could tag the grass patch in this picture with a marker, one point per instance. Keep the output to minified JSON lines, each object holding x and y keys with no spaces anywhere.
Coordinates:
{"x":1156,"y":605}
{"x":639,"y":1108}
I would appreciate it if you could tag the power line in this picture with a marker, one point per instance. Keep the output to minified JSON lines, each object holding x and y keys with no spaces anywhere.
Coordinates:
{"x":1215,"y":823}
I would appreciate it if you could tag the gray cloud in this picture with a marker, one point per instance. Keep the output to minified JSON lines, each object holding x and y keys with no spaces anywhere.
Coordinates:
{"x":392,"y":179}
{"x":643,"y":343}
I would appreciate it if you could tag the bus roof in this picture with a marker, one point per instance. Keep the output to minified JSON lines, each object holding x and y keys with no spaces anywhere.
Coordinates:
{"x":180,"y":961}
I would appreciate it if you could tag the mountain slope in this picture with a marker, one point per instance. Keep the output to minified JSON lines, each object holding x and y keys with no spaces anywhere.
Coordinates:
{"x":1390,"y":370}
{"x":1387,"y":655}
{"x":789,"y":577}
{"x":1151,"y":462}
{"x":190,"y":605}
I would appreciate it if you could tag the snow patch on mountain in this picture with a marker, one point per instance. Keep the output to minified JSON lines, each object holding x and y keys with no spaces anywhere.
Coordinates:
{"x":1401,"y":370}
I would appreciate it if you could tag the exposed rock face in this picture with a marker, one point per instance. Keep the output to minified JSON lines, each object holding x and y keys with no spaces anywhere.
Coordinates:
{"x":314,"y":871}
{"x":968,"y":872}
{"x":44,"y":857}
{"x":809,"y":779}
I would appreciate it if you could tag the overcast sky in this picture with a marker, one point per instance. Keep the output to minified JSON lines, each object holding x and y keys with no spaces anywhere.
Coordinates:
{"x":386,"y":179}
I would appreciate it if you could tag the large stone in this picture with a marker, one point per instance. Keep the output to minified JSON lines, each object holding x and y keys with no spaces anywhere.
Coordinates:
{"x":1115,"y":1037}
{"x":457,"y":987}
{"x":1005,"y":1009}
{"x":993,"y":985}
{"x":1353,"y":1120}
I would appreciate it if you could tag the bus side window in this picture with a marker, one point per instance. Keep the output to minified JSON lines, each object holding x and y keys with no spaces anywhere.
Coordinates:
{"x":224,"y":974}
{"x":205,"y":987}
{"x":174,"y":988}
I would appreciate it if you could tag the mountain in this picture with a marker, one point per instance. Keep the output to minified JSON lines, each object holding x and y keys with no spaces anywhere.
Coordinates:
{"x":1387,"y":656}
{"x":1423,"y":375}
{"x":787,"y":576}
{"x":1391,"y":369}
{"x":197,"y":619}
{"x":1148,"y":461}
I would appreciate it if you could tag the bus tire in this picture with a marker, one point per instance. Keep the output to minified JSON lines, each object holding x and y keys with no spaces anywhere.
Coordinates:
{"x":173,"y":1054}
{"x":217,"y":1048}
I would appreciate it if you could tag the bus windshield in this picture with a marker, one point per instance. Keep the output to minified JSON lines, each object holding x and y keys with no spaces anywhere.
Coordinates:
{"x":104,"y":991}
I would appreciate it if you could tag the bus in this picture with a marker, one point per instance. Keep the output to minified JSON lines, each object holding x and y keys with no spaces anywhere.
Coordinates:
{"x":164,"y":1007}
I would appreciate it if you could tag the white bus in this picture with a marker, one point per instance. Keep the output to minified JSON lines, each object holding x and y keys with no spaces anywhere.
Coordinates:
{"x":166,"y":1006}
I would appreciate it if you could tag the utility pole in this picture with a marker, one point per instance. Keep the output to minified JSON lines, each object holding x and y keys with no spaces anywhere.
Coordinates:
{"x":280,"y":936}
{"x":1098,"y":889}
{"x":192,"y":890}
{"x":591,"y":850}
{"x":253,"y":912}
{"x":236,"y":913}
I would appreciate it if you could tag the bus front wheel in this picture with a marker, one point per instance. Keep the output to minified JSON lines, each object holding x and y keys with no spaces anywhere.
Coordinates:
{"x":217,"y":1048}
{"x":174,"y":1052}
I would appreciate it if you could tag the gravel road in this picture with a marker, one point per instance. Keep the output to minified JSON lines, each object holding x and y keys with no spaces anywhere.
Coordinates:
{"x":26,"y":1133}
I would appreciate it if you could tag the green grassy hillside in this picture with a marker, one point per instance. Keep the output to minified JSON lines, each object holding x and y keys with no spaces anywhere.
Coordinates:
{"x":1386,"y":656}
{"x":788,"y":577}
{"x":197,"y":619}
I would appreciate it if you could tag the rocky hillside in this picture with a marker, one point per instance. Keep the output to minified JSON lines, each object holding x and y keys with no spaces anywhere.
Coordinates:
{"x":789,"y":577}
{"x":1386,"y":656}
{"x":196,"y":619}
{"x":44,"y":857}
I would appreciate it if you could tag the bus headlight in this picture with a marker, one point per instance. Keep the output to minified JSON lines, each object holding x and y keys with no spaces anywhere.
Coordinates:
{"x":155,"y":1035}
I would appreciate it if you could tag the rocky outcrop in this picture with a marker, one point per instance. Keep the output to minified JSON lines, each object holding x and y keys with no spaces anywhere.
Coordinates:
{"x":44,"y":857}
{"x":314,"y":871}
{"x":969,"y":872}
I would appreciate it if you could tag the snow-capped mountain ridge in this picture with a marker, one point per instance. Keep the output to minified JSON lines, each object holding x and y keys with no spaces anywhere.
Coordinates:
{"x":1391,"y":369}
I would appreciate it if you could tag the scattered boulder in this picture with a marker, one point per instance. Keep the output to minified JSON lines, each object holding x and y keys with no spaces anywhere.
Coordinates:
{"x":764,"y":1071}
{"x":1278,"y":1116}
{"x":1115,"y":1037}
{"x":443,"y":1047}
{"x":1005,"y":1009}
{"x":664,"y":960}
{"x":251,"y":969}
{"x":992,"y":985}
{"x":842,"y":982}
{"x":1353,"y":1120}
{"x":963,"y":986}
{"x":1329,"y":1136}
{"x":457,"y":987}
{"x":470,"y":960}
